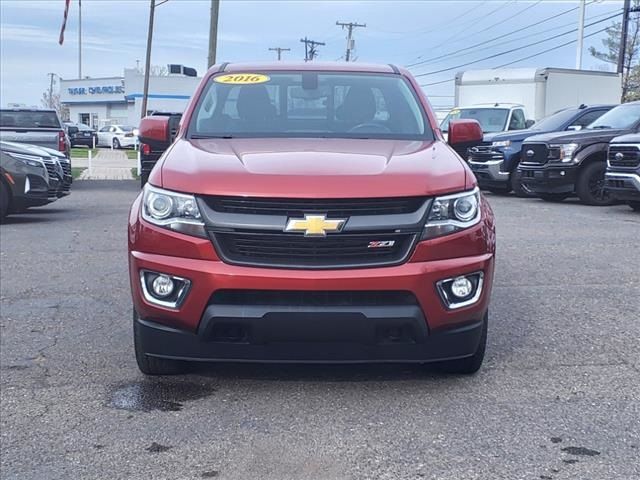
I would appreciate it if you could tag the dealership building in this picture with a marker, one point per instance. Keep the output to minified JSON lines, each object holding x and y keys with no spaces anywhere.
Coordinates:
{"x":118,"y":100}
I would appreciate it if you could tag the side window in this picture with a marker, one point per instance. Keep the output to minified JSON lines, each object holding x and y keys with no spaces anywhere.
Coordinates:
{"x":518,"y":121}
{"x":586,"y":119}
{"x":113,"y":130}
{"x":105,"y":129}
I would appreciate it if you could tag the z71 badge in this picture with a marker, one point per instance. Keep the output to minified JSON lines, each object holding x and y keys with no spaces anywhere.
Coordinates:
{"x":382,"y":244}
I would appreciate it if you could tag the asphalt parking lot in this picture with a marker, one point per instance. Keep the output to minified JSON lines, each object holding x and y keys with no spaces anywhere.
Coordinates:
{"x":558,"y":397}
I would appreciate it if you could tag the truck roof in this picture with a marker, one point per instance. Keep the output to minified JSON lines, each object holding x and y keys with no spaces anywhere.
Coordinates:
{"x":499,"y":75}
{"x":311,"y":66}
{"x":491,"y":105}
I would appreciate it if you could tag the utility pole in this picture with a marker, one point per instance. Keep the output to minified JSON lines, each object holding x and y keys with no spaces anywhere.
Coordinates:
{"x":310,"y":51}
{"x":350,"y":41}
{"x":623,"y":37}
{"x":79,"y":38}
{"x":213,"y":32}
{"x":145,"y":93}
{"x":51,"y":89}
{"x":280,"y":50}
{"x":580,"y":35}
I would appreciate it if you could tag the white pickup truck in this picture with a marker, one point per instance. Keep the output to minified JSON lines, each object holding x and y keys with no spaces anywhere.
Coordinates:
{"x":493,"y":117}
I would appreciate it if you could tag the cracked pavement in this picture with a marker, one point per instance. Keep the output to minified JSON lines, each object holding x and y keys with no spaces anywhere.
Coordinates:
{"x":558,"y":397}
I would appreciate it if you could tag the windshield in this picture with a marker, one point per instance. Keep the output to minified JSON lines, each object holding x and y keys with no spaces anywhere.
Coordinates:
{"x":309,"y":104}
{"x":621,"y":117}
{"x":555,"y":121}
{"x":491,"y":119}
{"x":29,"y":119}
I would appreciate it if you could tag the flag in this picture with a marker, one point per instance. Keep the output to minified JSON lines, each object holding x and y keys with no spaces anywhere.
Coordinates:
{"x":64,"y":21}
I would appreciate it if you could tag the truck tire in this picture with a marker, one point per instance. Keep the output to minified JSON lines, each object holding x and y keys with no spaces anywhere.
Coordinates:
{"x":153,"y":365}
{"x":5,"y":200}
{"x":590,"y":185}
{"x":553,"y":197}
{"x":635,"y":205}
{"x":516,"y":186}
{"x":468,"y":365}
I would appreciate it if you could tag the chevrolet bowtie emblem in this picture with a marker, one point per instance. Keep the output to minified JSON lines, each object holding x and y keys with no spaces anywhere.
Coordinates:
{"x":314,"y":225}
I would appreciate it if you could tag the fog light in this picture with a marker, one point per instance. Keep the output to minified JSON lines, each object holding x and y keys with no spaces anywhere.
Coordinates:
{"x":461,"y":287}
{"x":162,"y":286}
{"x":461,"y":291}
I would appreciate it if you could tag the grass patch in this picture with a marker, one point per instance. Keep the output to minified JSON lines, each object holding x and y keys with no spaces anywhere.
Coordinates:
{"x":132,"y":154}
{"x":134,"y":173}
{"x":77,"y":171}
{"x":83,"y":152}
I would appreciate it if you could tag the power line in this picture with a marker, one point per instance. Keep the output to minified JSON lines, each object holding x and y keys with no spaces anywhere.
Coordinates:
{"x":523,"y":58}
{"x":552,"y":17}
{"x":495,"y":55}
{"x":463,"y":52}
{"x":350,"y":41}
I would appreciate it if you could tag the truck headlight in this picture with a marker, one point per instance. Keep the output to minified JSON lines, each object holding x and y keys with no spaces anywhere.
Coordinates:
{"x":452,"y":213}
{"x":176,"y":211}
{"x":566,"y":152}
{"x":503,"y":144}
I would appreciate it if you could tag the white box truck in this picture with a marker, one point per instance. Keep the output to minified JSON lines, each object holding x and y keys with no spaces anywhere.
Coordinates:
{"x":541,"y":91}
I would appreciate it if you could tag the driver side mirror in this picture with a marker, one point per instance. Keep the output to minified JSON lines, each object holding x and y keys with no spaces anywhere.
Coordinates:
{"x":72,"y":130}
{"x":574,"y":128}
{"x":464,"y":134}
{"x":154,"y":131}
{"x":529,"y":123}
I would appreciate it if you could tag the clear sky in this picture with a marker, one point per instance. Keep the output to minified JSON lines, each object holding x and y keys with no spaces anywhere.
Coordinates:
{"x":401,"y":32}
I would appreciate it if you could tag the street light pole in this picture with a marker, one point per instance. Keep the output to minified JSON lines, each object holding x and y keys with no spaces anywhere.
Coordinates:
{"x":79,"y":38}
{"x":145,"y":93}
{"x":213,"y":32}
{"x":580,"y":35}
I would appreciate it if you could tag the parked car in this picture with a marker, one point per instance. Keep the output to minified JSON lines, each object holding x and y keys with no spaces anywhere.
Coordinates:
{"x":622,"y":179}
{"x":81,"y":135}
{"x":42,"y":128}
{"x":151,"y":152}
{"x":352,"y":233}
{"x":555,"y":166}
{"x":24,"y":179}
{"x":495,"y":165}
{"x":117,"y":136}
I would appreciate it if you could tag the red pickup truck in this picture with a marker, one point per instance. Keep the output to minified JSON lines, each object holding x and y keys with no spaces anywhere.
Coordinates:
{"x":310,"y":213}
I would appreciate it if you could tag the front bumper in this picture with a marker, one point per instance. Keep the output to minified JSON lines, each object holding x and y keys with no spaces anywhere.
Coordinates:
{"x":623,"y":185}
{"x":548,"y":178}
{"x":489,"y":174}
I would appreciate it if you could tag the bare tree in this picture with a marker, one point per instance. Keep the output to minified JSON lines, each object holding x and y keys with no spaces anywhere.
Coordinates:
{"x":631,"y":69}
{"x":54,"y":102}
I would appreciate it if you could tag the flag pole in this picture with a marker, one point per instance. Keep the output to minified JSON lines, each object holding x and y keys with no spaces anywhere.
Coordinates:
{"x":79,"y":38}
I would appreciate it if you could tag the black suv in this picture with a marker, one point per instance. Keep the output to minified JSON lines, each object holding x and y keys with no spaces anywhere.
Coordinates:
{"x":622,"y":179}
{"x":555,"y":166}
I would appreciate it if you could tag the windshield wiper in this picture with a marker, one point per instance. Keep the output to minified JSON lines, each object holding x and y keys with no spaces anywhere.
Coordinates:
{"x":601,"y":127}
{"x":200,"y":137}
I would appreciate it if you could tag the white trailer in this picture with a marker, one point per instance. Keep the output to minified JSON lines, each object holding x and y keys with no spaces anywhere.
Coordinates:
{"x":542,"y":91}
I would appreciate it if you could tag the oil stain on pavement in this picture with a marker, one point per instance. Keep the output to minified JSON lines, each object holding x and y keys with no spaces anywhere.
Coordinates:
{"x":148,"y":395}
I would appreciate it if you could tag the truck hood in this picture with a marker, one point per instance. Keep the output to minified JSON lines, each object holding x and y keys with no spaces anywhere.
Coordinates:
{"x":583,"y":137}
{"x":312,"y":168}
{"x":514,"y":136}
{"x":629,"y":138}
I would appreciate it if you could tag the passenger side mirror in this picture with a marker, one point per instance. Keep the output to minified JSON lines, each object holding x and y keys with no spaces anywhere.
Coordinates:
{"x":529,"y":123}
{"x":464,"y":134}
{"x":155,"y":132}
{"x":72,"y":130}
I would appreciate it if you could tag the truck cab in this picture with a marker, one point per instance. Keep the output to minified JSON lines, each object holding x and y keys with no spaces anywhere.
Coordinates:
{"x":622,"y":179}
{"x":493,"y":117}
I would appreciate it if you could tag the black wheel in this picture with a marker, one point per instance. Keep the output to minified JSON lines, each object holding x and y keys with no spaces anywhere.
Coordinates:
{"x":553,"y":197}
{"x":516,"y":186}
{"x":635,"y":205}
{"x":590,"y":185}
{"x":5,"y":200}
{"x":116,"y":144}
{"x":153,"y":365}
{"x":468,"y":365}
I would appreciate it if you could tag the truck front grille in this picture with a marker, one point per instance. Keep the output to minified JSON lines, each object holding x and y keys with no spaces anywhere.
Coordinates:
{"x":300,"y":206}
{"x":291,"y":250}
{"x":484,"y":154}
{"x":630,"y":156}
{"x":535,"y":153}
